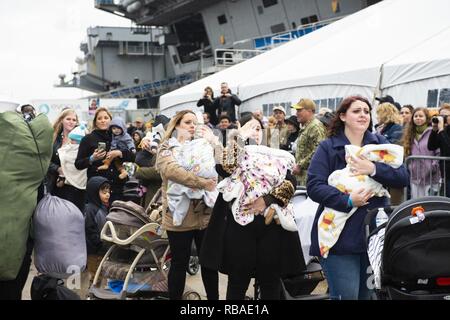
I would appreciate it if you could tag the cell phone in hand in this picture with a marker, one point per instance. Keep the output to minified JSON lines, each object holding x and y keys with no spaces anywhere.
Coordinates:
{"x":101,"y":146}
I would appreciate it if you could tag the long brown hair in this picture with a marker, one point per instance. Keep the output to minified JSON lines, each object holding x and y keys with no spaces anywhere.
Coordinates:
{"x":410,"y":130}
{"x":97,"y":112}
{"x":212,"y":92}
{"x":174,"y":122}
{"x":58,"y":124}
{"x":337,"y":125}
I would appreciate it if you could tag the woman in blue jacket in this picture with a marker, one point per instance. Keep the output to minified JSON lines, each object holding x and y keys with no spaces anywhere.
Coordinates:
{"x":347,"y":265}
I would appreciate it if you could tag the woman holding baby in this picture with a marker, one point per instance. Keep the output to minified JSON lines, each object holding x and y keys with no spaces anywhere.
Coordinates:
{"x":243,"y":239}
{"x":175,"y":176}
{"x":347,"y":265}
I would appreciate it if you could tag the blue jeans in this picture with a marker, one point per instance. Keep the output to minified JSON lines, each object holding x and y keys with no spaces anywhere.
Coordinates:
{"x":347,"y":276}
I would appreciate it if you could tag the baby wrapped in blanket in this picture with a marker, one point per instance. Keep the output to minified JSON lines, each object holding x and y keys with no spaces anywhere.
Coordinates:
{"x":331,"y":222}
{"x":259,"y":170}
{"x":195,"y":156}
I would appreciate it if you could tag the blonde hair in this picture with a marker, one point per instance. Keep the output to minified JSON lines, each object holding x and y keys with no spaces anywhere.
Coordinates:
{"x":388,"y":113}
{"x":174,"y":122}
{"x":97,"y":112}
{"x":324,"y":110}
{"x":58,"y":125}
{"x":444,"y":106}
{"x":272,"y":122}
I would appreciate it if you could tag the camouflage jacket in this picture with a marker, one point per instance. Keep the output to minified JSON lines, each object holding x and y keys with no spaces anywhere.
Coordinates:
{"x":308,"y":140}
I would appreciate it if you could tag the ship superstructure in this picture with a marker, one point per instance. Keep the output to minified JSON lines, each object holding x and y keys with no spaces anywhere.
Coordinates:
{"x":174,"y":42}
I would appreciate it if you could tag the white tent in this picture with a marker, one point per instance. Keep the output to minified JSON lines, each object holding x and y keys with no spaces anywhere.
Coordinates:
{"x":388,"y":47}
{"x":421,"y":76}
{"x":354,"y":61}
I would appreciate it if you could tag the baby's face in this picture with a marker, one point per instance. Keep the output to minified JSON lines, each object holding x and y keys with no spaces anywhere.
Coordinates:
{"x":116,"y":131}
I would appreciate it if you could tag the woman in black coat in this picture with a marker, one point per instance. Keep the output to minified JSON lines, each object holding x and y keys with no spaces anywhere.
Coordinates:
{"x":293,"y":129}
{"x":440,"y":139}
{"x":266,"y":252}
{"x":207,"y":101}
{"x":91,"y":153}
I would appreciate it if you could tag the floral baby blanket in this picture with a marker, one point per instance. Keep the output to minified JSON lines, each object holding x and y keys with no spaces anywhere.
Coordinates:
{"x":259,"y":170}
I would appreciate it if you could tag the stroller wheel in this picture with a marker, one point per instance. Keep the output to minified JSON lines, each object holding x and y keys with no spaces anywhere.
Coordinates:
{"x":191,"y":295}
{"x":193,"y":266}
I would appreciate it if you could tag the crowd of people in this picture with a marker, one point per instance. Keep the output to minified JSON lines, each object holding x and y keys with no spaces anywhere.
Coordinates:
{"x":87,"y":168}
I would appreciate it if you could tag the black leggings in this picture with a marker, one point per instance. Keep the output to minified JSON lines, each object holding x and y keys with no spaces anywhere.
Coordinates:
{"x":253,"y":251}
{"x":180,"y":249}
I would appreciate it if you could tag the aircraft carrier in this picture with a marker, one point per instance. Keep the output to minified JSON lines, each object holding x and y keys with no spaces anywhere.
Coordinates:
{"x":171,"y":43}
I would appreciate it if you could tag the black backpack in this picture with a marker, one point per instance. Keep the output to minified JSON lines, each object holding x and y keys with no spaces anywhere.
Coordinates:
{"x":45,"y":287}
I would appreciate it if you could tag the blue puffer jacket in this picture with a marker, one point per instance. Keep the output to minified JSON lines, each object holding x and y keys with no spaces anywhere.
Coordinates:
{"x":330,"y":156}
{"x":392,"y":132}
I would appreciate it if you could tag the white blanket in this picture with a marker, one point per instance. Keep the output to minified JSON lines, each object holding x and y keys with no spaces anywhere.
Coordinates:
{"x":331,"y":222}
{"x":67,"y":155}
{"x":196,"y":156}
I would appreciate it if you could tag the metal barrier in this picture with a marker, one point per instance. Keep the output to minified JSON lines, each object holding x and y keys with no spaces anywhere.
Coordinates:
{"x":427,"y":177}
{"x":229,"y":57}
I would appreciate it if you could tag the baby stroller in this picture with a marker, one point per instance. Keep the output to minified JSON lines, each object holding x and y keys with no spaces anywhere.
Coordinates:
{"x":302,"y":285}
{"x":136,"y":264}
{"x":132,"y":191}
{"x":154,"y":210}
{"x":413,"y":258}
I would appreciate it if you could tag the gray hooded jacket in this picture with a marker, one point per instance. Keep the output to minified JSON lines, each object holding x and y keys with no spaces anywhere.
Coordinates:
{"x":122,"y":141}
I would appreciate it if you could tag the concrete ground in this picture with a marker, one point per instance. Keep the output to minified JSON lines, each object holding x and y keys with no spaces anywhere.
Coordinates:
{"x":193,"y":282}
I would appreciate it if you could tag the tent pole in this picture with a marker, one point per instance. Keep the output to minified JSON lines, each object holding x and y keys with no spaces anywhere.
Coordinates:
{"x":378,"y":91}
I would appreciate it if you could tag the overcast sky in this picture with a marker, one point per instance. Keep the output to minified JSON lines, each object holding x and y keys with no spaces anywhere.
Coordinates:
{"x":40,"y":40}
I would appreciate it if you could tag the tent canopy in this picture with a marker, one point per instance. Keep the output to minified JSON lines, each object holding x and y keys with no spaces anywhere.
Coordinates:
{"x":384,"y":47}
{"x":429,"y":59}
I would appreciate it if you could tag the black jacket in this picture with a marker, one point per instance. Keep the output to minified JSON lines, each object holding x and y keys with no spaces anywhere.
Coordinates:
{"x":87,"y":146}
{"x":441,"y":141}
{"x":95,"y":216}
{"x":227,"y":105}
{"x":55,"y":163}
{"x":290,"y":141}
{"x":212,"y":250}
{"x":211,"y":108}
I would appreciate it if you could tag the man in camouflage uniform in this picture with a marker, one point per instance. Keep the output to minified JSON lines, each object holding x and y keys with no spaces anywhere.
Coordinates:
{"x":311,"y":133}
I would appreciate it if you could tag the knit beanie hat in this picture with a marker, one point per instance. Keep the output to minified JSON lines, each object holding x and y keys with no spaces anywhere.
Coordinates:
{"x":77,"y":133}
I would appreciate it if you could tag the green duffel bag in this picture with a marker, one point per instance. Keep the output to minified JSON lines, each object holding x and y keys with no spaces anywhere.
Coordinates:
{"x":25,"y":153}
